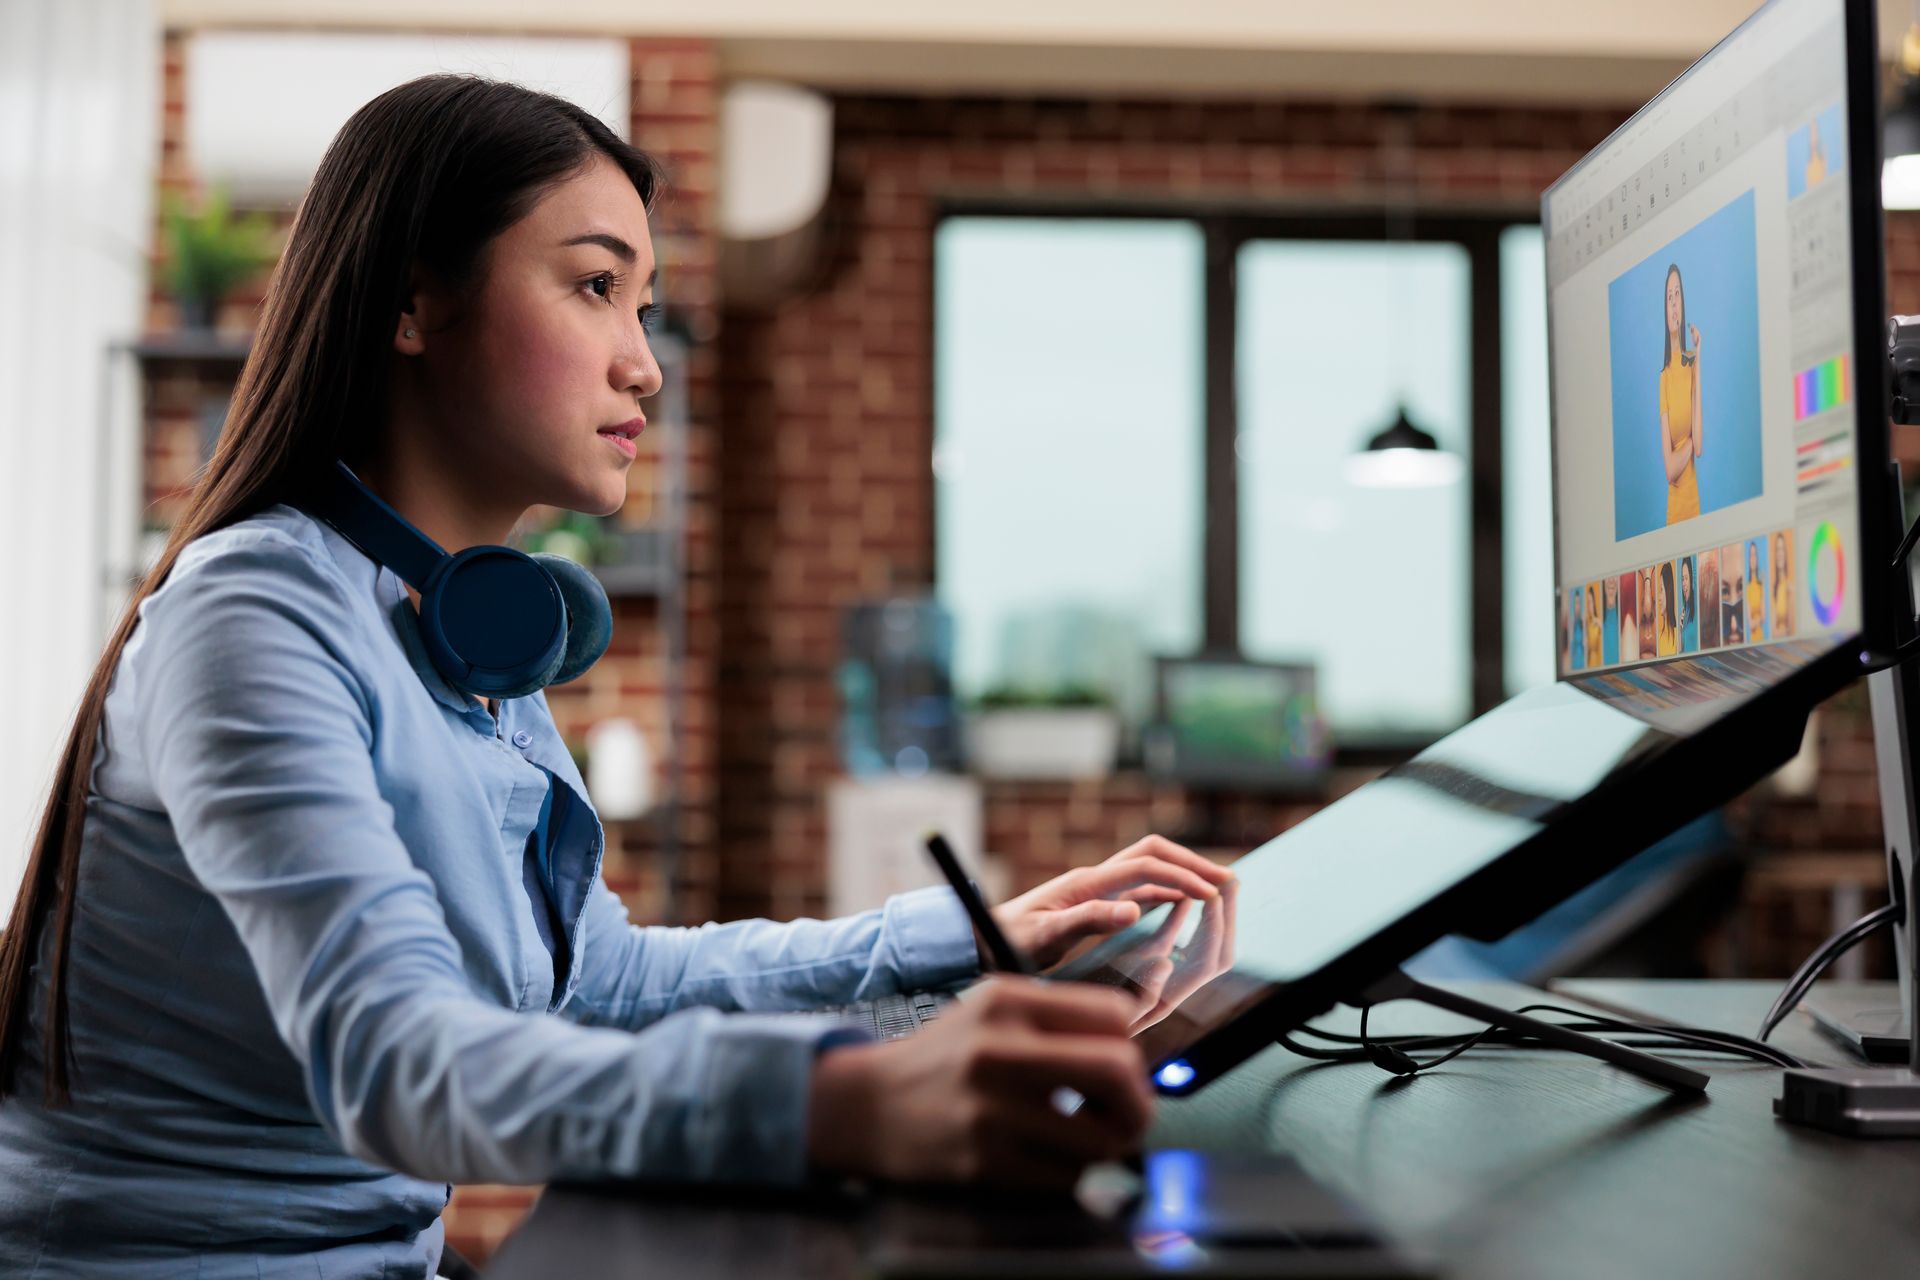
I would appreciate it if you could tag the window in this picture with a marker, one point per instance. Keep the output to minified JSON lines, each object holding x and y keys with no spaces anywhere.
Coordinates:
{"x":1068,"y":423}
{"x":1141,"y":426}
{"x":1372,"y":584}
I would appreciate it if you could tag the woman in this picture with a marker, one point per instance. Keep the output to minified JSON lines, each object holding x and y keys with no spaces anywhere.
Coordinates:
{"x":1816,"y":155}
{"x":1732,"y":597}
{"x":1689,"y":618}
{"x":1682,"y":441}
{"x":1610,"y":620}
{"x":1595,"y":630}
{"x":1629,"y":619}
{"x":1782,"y":588}
{"x":1649,"y":645}
{"x":303,"y":939}
{"x":1707,"y":585}
{"x":1756,"y":594}
{"x":1668,"y":638}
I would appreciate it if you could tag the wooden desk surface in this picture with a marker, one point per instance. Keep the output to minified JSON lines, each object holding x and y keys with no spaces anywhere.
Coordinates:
{"x":1505,"y":1163}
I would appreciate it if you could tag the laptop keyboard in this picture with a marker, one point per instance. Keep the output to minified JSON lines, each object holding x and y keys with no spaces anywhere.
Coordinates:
{"x":894,"y":1016}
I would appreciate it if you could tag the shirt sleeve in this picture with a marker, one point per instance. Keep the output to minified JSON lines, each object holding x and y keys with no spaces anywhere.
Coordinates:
{"x":631,"y":976}
{"x":259,"y":735}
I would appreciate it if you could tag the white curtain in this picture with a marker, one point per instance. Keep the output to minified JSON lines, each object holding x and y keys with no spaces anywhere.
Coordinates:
{"x":79,"y":111}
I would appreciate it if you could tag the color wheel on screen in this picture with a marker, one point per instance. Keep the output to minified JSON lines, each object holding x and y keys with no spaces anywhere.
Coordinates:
{"x":1826,"y":573}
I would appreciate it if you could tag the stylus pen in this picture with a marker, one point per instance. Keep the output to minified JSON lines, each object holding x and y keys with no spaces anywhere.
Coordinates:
{"x":1005,"y":958}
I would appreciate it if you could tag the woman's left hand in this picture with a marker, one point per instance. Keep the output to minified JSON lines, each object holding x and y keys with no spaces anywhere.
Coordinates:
{"x":1049,"y":920}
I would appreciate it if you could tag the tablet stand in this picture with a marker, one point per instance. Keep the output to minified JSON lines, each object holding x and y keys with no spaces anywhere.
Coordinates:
{"x":1670,"y":1075}
{"x":1885,"y":1102}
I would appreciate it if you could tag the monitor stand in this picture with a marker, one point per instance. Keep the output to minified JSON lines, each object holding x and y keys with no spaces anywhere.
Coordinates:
{"x":1870,"y":1102}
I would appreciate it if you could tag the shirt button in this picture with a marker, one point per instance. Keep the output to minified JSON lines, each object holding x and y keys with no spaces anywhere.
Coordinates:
{"x":523,"y":739}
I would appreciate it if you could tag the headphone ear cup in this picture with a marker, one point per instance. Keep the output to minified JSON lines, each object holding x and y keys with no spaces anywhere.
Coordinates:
{"x":589,"y":616}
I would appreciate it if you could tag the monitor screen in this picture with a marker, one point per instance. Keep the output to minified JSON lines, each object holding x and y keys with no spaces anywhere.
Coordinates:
{"x":1228,"y":721}
{"x":1703,"y":374}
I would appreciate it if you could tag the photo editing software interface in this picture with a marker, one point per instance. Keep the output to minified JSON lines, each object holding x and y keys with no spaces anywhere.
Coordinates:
{"x":1701,"y":339}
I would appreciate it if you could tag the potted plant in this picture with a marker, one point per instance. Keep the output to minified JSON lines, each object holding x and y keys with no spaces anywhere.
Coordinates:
{"x":1068,"y":732}
{"x":209,"y":251}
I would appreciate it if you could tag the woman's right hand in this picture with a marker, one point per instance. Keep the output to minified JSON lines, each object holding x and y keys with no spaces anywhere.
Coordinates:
{"x":969,"y":1097}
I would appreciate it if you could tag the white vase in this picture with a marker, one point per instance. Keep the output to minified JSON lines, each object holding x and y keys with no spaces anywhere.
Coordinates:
{"x":1043,"y":742}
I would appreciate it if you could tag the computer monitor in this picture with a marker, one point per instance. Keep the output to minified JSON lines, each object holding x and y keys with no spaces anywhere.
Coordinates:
{"x":1227,"y":721}
{"x":1707,"y":347}
{"x":1755,"y":174}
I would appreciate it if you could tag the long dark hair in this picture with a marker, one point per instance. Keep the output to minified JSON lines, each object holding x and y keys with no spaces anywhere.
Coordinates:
{"x":428,"y":173}
{"x":1666,"y":580}
{"x":1674,"y":335}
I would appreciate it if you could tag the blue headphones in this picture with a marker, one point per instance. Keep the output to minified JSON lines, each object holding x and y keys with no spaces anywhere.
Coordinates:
{"x":496,"y":622}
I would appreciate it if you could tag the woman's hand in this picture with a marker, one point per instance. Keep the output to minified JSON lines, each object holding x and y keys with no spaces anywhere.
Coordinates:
{"x":1693,"y":332}
{"x":969,"y":1097}
{"x":1171,"y":973}
{"x":1048,"y":921}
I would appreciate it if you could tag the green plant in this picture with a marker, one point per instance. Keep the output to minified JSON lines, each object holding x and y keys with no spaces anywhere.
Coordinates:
{"x":210,"y":250}
{"x":1008,"y":697}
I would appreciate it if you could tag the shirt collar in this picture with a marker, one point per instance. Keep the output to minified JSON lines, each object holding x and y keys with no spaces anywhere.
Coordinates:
{"x":392,"y":593}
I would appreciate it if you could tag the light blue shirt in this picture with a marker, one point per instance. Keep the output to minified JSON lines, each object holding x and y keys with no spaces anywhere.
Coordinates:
{"x":308,"y":990}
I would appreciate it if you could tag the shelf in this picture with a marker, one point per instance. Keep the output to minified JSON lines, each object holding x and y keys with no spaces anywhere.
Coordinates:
{"x":191,"y":344}
{"x":645,"y":567}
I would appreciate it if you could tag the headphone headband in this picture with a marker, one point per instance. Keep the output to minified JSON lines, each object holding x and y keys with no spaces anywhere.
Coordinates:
{"x":392,"y":541}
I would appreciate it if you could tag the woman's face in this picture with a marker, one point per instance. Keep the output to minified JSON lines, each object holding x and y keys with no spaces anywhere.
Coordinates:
{"x":1673,"y":302}
{"x":546,"y":353}
{"x":1611,"y":593}
{"x":1660,"y":592}
{"x":1686,"y":579}
{"x":1753,"y":559}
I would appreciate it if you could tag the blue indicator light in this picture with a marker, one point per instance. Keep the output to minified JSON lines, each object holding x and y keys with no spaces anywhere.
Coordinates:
{"x":1176,"y":1074}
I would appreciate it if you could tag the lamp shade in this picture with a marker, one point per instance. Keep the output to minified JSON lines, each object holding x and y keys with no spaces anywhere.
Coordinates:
{"x":1403,"y":457}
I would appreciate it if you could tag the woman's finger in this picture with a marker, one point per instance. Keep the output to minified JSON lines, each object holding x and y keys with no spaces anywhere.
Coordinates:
{"x":1107,"y":1071}
{"x":1167,"y":850}
{"x":1111,"y":878}
{"x":1087,"y":919}
{"x":1152,"y":895}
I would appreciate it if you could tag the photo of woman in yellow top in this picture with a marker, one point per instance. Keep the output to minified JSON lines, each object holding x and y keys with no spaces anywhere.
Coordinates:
{"x":1667,"y":639}
{"x":1593,"y":624}
{"x":1816,"y":158}
{"x":1782,"y":586}
{"x":1681,"y":438}
{"x":1756,"y":595}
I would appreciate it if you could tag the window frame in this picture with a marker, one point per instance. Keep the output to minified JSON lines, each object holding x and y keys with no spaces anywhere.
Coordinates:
{"x":1225,"y":231}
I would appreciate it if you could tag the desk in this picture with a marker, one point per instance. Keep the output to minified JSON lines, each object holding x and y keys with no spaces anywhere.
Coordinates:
{"x":1505,"y":1163}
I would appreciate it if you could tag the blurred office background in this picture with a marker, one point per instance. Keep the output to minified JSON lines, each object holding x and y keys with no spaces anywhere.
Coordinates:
{"x":1019,"y":359}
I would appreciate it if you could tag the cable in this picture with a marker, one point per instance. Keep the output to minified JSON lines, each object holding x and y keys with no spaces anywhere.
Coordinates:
{"x":1829,"y":951}
{"x":1394,"y":1054}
